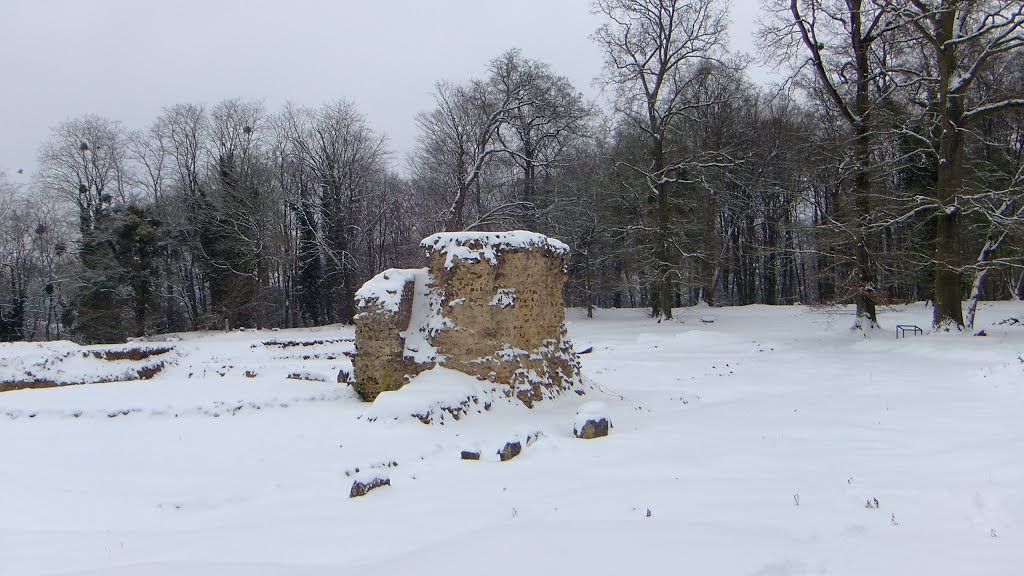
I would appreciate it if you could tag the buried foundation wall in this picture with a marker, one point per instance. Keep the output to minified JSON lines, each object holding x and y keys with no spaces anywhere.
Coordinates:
{"x":488,"y":305}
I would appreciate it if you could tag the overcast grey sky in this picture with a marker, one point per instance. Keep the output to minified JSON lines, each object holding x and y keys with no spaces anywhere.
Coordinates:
{"x":127,"y":59}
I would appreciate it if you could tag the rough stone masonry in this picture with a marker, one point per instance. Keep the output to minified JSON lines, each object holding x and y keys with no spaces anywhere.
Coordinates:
{"x":489,"y":304}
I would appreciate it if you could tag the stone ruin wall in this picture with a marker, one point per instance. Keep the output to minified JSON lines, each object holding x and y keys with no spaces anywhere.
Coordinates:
{"x":494,"y":311}
{"x":380,"y":362}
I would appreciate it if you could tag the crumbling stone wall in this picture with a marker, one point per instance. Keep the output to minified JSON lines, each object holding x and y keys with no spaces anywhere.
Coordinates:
{"x":488,"y":305}
{"x":380,"y":363}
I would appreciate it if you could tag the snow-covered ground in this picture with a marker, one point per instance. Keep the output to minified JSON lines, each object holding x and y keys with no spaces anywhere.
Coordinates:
{"x":746,"y":441}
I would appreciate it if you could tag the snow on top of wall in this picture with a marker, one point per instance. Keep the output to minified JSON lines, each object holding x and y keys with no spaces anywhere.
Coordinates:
{"x":386,"y":288}
{"x":476,"y":246}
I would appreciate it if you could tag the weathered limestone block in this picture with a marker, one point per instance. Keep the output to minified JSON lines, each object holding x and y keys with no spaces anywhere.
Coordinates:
{"x":385,"y":309}
{"x":502,"y":293}
{"x":488,"y":305}
{"x":592,"y":429}
{"x":510,"y":450}
{"x":592,"y":421}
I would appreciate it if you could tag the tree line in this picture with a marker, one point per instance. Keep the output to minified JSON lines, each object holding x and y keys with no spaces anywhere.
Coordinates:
{"x":887,"y":166}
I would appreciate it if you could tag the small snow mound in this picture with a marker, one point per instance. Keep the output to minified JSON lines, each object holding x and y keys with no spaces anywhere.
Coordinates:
{"x":590,"y":411}
{"x":433,"y":396}
{"x":38,"y":364}
{"x":477,"y":246}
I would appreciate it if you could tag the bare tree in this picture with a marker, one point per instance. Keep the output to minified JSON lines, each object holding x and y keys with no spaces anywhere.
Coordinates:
{"x":85,"y":161}
{"x":540,"y":134}
{"x":457,"y":139}
{"x":952,"y":43}
{"x":235,"y":225}
{"x":185,"y":128}
{"x":15,"y":271}
{"x":343,"y":163}
{"x":653,"y":50}
{"x":151,"y":153}
{"x":840,"y":39}
{"x":994,"y":195}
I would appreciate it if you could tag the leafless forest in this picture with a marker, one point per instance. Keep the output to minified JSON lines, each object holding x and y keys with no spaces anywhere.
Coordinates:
{"x":885,"y":164}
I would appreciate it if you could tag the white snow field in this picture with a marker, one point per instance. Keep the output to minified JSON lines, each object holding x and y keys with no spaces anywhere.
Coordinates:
{"x":746,"y":441}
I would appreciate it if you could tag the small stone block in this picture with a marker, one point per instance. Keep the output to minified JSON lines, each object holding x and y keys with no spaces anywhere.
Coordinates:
{"x":363,"y":488}
{"x":593,"y":429}
{"x":510,"y":451}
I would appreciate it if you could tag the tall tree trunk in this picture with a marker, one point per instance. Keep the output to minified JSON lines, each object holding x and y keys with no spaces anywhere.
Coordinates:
{"x":662,"y":293}
{"x":866,"y":313}
{"x":948,"y":312}
{"x":865,"y":296}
